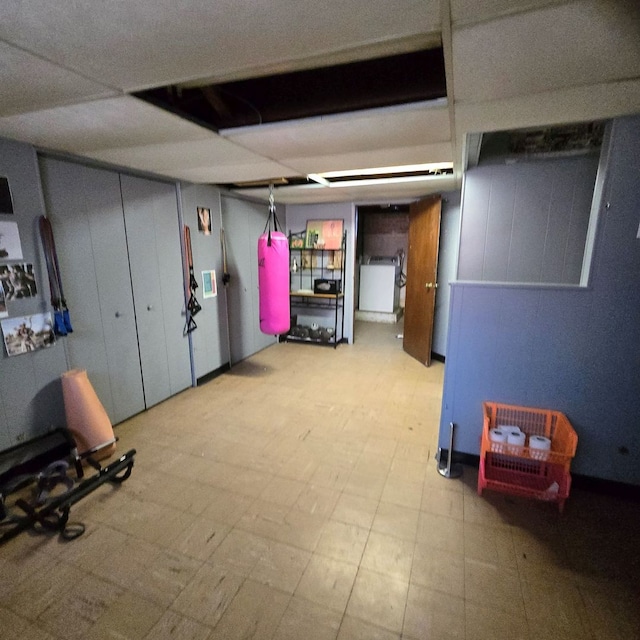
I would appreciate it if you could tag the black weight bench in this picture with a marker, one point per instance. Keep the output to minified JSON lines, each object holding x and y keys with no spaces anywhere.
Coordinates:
{"x":44,"y":462}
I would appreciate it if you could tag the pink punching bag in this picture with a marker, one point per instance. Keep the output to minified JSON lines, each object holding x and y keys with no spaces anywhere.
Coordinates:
{"x":273,"y":277}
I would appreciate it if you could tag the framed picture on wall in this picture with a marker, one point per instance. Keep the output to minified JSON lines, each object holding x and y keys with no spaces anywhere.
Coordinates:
{"x":324,"y":234}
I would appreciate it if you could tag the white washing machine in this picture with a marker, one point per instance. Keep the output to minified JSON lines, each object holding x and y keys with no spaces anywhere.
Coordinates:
{"x":378,"y":289}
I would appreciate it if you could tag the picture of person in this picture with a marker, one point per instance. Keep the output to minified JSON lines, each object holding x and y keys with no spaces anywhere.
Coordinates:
{"x":28,"y":333}
{"x":204,"y":220}
{"x":18,"y":281}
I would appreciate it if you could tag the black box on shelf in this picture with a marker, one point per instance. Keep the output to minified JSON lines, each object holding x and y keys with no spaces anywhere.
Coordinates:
{"x":323,"y":285}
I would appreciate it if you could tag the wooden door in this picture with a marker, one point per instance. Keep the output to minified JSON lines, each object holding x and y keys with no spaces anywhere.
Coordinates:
{"x":422,"y":264}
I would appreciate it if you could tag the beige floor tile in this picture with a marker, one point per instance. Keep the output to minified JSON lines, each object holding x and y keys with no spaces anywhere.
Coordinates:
{"x":443,"y":502}
{"x":327,"y":582}
{"x":487,"y":622}
{"x":40,"y":590}
{"x":200,"y":538}
{"x":342,"y":541}
{"x":14,"y":626}
{"x":226,"y":506}
{"x":488,"y":583}
{"x":73,"y":614}
{"x":355,"y":510}
{"x":400,"y":491}
{"x":281,"y":566}
{"x":283,"y":491}
{"x":208,"y":595}
{"x":433,"y":614}
{"x":354,"y":629}
{"x":365,"y":485}
{"x":255,"y":613}
{"x":239,"y":552}
{"x":438,"y":570}
{"x":317,"y":501}
{"x":173,"y":626}
{"x":388,"y":555}
{"x":304,"y":619}
{"x":554,"y":608}
{"x":492,"y":545}
{"x":378,"y":599}
{"x":396,"y":520}
{"x":128,"y":617}
{"x":612,"y":611}
{"x":441,"y":532}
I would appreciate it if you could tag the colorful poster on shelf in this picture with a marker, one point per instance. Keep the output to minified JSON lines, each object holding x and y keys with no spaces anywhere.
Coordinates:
{"x":324,"y":234}
{"x":18,"y":281}
{"x":10,"y":247}
{"x":25,"y":334}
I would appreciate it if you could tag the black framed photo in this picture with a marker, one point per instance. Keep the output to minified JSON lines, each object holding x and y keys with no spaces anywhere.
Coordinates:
{"x":6,"y":201}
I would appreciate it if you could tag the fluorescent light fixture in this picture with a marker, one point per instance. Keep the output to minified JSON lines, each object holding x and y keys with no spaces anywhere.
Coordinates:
{"x":319,"y":179}
{"x":374,"y":181}
{"x":431,"y":166}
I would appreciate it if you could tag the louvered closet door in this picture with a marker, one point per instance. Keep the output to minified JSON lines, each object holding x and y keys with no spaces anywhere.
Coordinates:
{"x":155,"y":259}
{"x":85,"y":208}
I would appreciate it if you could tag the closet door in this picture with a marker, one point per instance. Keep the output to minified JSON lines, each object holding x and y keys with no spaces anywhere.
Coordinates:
{"x":155,"y":260}
{"x":85,"y":208}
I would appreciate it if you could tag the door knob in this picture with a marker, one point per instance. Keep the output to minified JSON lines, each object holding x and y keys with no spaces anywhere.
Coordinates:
{"x":118,"y":314}
{"x":431,"y":285}
{"x":149,"y":307}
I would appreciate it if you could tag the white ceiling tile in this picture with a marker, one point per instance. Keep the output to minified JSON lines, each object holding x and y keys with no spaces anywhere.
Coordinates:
{"x":577,"y":104}
{"x":580,"y":43}
{"x":29,"y":83}
{"x":101,"y":124}
{"x":233,"y":173}
{"x":135,"y":45}
{"x":355,"y":132}
{"x":470,"y":11}
{"x":438,"y":152}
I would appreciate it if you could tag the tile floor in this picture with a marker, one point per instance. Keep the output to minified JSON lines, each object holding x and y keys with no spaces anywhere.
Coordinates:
{"x":297,"y":497}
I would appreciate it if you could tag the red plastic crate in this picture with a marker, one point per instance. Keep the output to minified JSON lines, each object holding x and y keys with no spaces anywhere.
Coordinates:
{"x":525,"y":478}
{"x":541,"y":422}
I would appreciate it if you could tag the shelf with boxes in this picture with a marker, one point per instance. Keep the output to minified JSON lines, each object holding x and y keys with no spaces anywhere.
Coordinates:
{"x":317,"y":275}
{"x":526,"y":452}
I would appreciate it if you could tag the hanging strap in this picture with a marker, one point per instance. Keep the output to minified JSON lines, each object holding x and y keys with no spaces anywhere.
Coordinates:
{"x":226,"y":276}
{"x":62,"y":318}
{"x":193,"y":306}
{"x":271,"y":216}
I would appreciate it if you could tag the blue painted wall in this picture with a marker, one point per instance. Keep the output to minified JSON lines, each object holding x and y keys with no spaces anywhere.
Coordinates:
{"x":571,"y":349}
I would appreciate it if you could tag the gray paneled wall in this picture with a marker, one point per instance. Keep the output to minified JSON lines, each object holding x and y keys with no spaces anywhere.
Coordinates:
{"x":576,"y":350}
{"x":244,"y":222}
{"x":211,"y":339}
{"x":30,"y":389}
{"x":527,"y":221}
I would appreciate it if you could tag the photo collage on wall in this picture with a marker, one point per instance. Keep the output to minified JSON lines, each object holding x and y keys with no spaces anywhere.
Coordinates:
{"x":24,"y":333}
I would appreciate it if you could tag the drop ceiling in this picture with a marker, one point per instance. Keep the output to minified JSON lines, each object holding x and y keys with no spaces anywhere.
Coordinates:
{"x":72,"y":74}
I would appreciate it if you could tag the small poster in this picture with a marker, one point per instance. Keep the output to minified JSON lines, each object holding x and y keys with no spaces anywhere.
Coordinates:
{"x":209,"y":287}
{"x":10,"y":247}
{"x":28,"y":333}
{"x":204,"y":221}
{"x":18,"y":281}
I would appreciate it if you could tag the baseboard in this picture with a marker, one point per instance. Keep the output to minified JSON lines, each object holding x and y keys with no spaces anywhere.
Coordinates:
{"x":213,"y":374}
{"x":578,"y":480}
{"x":437,"y":356}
